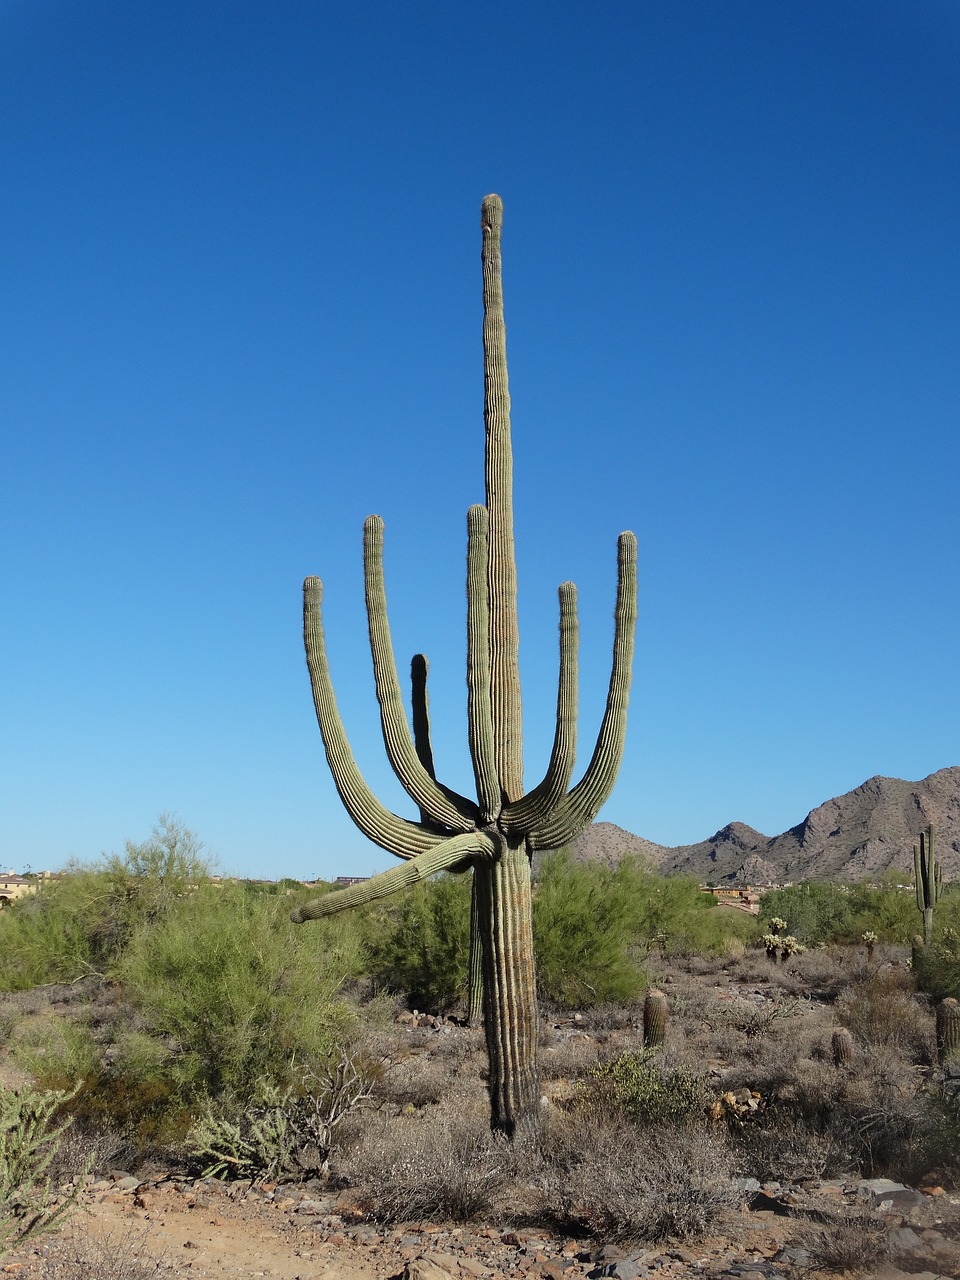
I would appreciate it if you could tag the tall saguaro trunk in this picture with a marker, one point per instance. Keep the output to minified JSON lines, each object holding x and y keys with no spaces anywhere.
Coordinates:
{"x":497,"y":834}
{"x":509,"y":990}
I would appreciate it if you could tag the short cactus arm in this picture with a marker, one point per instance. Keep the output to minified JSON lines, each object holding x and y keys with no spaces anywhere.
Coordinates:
{"x":445,"y":857}
{"x":584,"y":802}
{"x":395,"y":834}
{"x":534,"y":808}
{"x":479,"y":718}
{"x":440,"y":805}
{"x":420,"y":701}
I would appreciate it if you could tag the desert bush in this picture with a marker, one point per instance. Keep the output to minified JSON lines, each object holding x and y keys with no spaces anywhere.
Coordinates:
{"x":234,"y":993}
{"x":937,"y":967}
{"x":30,"y":1136}
{"x":640,"y":1085}
{"x":814,"y":912}
{"x":586,"y":919}
{"x":419,"y":944}
{"x":625,"y":1183}
{"x":82,"y":1253}
{"x":82,"y":923}
{"x":444,"y":1167}
{"x":849,"y":1243}
{"x":884,"y":1010}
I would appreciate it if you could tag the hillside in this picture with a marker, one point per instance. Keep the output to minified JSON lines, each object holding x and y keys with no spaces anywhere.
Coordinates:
{"x":863,"y":833}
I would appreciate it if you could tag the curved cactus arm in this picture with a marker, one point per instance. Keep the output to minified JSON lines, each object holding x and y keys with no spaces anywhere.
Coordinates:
{"x":440,"y":806}
{"x":534,"y":808}
{"x":502,"y":565}
{"x":396,"y":835}
{"x":918,"y":875}
{"x":446,"y":856}
{"x":479,"y":715}
{"x":584,"y":802}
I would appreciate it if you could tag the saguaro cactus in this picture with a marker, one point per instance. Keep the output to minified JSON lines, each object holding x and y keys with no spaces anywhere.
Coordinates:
{"x":929,"y":879}
{"x":496,"y":834}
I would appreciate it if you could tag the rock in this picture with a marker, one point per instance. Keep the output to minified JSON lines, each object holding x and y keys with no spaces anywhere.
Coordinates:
{"x":427,"y":1268}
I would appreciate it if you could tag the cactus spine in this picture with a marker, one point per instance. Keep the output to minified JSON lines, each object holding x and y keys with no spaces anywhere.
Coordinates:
{"x":497,"y":834}
{"x":948,"y":1031}
{"x":654,"y":1019}
{"x":928,"y":875}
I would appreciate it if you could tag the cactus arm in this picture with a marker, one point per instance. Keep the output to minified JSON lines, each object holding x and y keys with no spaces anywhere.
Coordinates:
{"x":502,"y":567}
{"x":420,"y":704}
{"x":533,"y":808}
{"x":582,"y":804}
{"x":445,"y":857}
{"x":395,"y":834}
{"x":479,"y":716}
{"x":440,"y":806}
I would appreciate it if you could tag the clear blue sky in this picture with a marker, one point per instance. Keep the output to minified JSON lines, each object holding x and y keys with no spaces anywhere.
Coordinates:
{"x":240,"y":310}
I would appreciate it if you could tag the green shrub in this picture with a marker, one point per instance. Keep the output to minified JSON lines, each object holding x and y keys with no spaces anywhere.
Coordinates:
{"x":639,"y":1085}
{"x":419,"y":943}
{"x":235,"y":993}
{"x":937,"y":967}
{"x":814,"y":912}
{"x":586,"y":919}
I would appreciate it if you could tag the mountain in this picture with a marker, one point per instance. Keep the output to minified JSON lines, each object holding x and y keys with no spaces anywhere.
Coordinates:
{"x":855,"y":836}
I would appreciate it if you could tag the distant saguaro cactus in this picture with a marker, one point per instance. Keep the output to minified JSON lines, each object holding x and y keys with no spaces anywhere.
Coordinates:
{"x":655,"y":1015}
{"x":497,"y":834}
{"x":929,"y":880}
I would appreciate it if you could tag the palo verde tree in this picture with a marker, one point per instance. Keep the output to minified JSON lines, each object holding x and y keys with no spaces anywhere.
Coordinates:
{"x":497,"y":833}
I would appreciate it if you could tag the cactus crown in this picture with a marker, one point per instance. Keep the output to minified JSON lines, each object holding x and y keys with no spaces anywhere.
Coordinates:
{"x":455,"y":831}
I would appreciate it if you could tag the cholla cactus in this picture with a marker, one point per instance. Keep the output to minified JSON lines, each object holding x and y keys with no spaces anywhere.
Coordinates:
{"x":778,"y":925}
{"x":869,"y":940}
{"x":790,"y":946}
{"x":497,"y":833}
{"x":928,"y":875}
{"x":772,"y":943}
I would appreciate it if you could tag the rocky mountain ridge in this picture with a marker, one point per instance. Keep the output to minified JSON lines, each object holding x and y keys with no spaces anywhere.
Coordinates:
{"x":862,"y":834}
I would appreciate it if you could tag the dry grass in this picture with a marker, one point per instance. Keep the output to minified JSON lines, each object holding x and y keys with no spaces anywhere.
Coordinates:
{"x":81,"y":1254}
{"x":627,"y":1183}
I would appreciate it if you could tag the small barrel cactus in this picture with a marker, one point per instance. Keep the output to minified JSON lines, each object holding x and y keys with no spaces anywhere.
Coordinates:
{"x":654,"y":1019}
{"x":842,"y":1044}
{"x":948,"y":1031}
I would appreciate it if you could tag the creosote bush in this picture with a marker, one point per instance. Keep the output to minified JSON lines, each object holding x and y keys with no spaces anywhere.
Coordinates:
{"x":638,"y":1084}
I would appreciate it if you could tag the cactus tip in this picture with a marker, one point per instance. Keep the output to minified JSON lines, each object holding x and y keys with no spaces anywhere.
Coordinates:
{"x":491,"y":211}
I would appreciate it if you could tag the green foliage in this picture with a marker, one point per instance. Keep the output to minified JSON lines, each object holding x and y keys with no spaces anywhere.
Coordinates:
{"x":419,"y":943}
{"x":586,"y":918}
{"x":639,"y":1085}
{"x":82,"y":923}
{"x":235,"y":994}
{"x":937,"y":967}
{"x":29,"y":1140}
{"x":814,"y":912}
